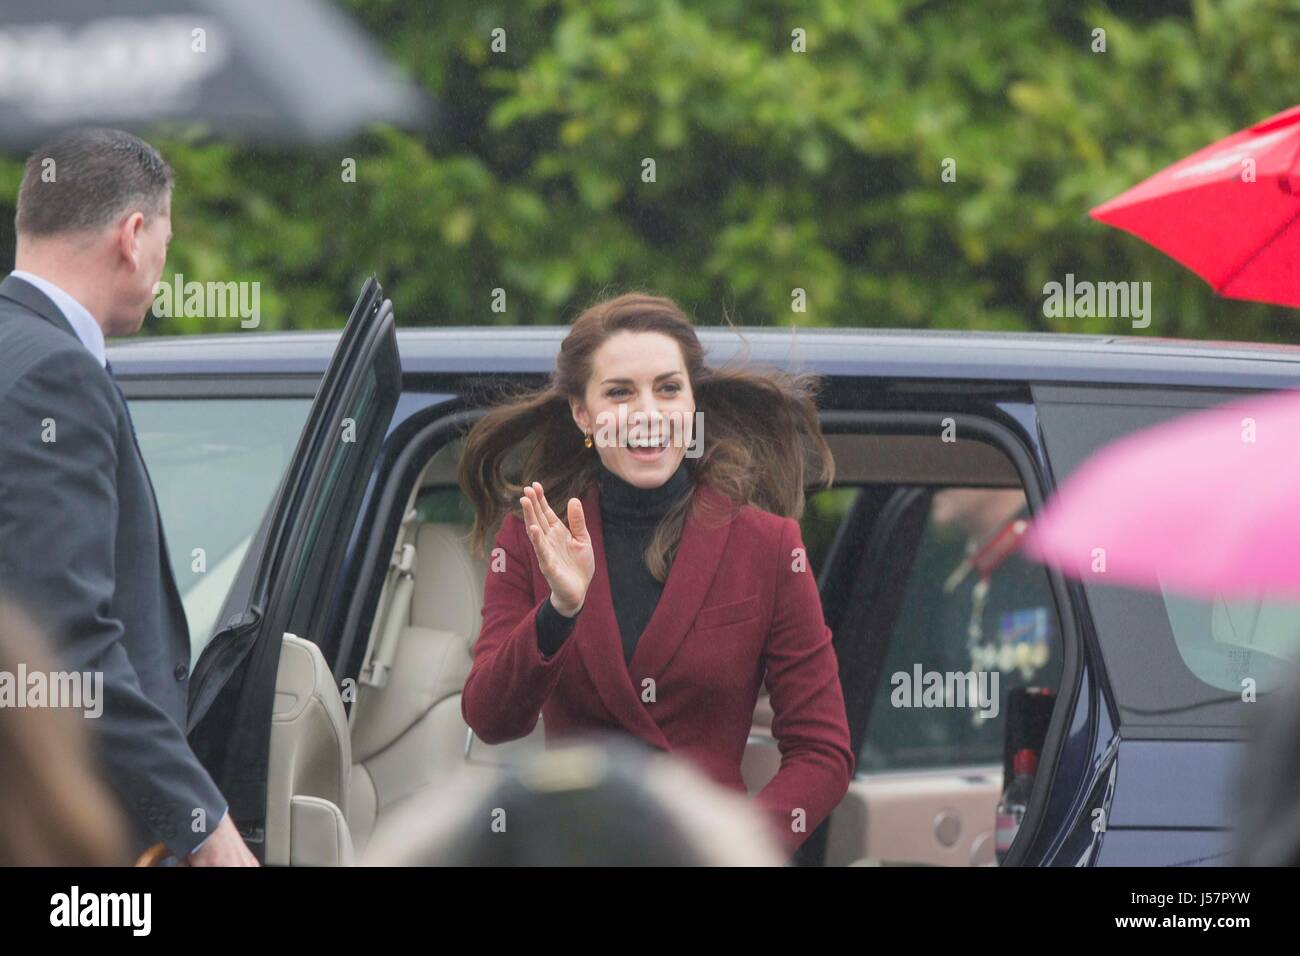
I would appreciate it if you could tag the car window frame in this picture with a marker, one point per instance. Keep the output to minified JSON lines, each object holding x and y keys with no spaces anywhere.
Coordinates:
{"x":1036,"y":483}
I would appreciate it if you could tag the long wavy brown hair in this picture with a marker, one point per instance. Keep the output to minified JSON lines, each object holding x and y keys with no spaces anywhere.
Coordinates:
{"x":761,"y":445}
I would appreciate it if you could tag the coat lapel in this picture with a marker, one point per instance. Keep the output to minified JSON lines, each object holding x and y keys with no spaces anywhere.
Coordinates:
{"x":704,"y":539}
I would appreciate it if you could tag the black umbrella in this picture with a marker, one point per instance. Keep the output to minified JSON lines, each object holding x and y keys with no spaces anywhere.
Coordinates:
{"x":283,"y":70}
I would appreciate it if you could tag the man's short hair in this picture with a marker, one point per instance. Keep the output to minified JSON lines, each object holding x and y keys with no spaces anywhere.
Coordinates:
{"x":86,"y":178}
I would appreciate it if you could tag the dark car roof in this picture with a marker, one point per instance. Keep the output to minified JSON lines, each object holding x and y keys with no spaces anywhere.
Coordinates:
{"x":892,"y":353}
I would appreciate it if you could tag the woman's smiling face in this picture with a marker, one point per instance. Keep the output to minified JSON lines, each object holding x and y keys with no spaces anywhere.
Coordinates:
{"x":643,"y":374}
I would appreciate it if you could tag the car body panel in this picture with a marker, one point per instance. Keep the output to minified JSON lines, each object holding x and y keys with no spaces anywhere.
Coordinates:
{"x":870,"y":353}
{"x":1111,"y":800}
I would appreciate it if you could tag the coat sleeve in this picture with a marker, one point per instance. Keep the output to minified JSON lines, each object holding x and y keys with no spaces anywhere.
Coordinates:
{"x":809,"y":719}
{"x":58,"y":521}
{"x":510,"y":679}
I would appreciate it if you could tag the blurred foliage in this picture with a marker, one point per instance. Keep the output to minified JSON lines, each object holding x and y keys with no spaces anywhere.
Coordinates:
{"x":776,"y":170}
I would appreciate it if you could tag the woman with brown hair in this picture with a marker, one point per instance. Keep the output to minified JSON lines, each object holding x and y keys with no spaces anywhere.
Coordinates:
{"x":679,"y":578}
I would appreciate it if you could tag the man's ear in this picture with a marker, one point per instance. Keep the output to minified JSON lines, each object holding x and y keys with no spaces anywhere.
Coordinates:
{"x":129,"y":231}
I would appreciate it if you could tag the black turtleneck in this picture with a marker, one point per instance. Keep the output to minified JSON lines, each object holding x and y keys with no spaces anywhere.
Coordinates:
{"x":628,"y":517}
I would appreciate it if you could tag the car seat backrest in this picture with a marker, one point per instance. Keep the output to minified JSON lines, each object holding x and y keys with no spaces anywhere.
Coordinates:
{"x":310,"y":763}
{"x":409,"y":734}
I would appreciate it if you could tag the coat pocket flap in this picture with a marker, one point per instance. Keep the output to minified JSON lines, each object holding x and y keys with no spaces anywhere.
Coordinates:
{"x":718,"y":614}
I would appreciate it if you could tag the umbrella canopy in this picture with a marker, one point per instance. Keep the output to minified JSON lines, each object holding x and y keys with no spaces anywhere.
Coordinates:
{"x":1230,"y":213}
{"x":1207,"y":504}
{"x":280,"y":70}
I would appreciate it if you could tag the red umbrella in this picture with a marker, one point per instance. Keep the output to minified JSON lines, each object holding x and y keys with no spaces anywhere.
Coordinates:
{"x":1230,"y":213}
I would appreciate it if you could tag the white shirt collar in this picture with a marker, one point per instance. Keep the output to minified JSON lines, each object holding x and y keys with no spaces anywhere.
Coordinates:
{"x":78,"y":316}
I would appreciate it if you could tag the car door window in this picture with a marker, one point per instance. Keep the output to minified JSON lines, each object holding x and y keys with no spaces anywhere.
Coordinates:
{"x":215,"y":465}
{"x":1173,"y":660}
{"x":361,"y":421}
{"x":977,"y":621}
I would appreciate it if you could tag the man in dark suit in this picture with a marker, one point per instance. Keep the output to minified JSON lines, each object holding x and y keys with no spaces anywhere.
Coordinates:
{"x":81,"y":542}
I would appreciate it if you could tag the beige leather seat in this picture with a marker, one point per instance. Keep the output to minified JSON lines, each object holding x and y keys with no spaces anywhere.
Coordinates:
{"x":762,"y":758}
{"x":409,"y":734}
{"x":310,"y":763}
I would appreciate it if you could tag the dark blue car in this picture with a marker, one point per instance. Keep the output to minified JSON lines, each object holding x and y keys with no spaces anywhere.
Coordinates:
{"x":307,"y":483}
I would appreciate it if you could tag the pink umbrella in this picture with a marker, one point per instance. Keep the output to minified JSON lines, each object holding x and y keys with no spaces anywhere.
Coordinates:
{"x":1207,"y":504}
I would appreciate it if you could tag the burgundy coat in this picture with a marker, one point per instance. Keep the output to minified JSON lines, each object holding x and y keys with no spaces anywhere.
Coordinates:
{"x":735,"y":603}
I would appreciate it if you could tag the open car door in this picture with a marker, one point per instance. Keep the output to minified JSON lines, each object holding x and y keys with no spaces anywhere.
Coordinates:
{"x":236,"y":705}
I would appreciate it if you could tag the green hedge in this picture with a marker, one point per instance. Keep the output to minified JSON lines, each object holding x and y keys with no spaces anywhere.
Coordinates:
{"x":776,"y":170}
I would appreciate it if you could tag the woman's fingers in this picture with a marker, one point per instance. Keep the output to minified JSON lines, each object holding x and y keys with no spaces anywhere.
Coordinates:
{"x":577,"y":520}
{"x":528,"y":517}
{"x":545,"y":514}
{"x":534,"y":495}
{"x":546,"y":506}
{"x":535,"y":533}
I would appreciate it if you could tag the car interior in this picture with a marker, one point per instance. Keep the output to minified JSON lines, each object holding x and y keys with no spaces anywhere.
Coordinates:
{"x":336,"y":772}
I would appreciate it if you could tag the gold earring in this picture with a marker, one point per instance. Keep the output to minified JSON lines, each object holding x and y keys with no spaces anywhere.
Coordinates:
{"x":587,"y":441}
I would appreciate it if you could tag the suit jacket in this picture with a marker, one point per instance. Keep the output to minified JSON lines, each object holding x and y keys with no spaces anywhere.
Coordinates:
{"x":81,"y":545}
{"x":733,"y":607}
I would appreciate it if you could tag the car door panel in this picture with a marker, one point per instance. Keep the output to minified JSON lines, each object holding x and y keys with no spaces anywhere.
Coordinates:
{"x":926,"y":818}
{"x":295,"y":559}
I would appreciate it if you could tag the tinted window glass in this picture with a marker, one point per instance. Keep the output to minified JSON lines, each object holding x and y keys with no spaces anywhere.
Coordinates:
{"x":823,"y":514}
{"x":357,"y":427}
{"x":1172,"y":660}
{"x":215,"y":465}
{"x":971,"y":628}
{"x":444,"y":506}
